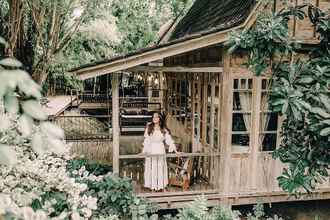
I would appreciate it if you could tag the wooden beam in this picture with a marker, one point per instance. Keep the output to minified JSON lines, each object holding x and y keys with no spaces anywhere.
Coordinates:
{"x":204,"y":108}
{"x":199,"y":107}
{"x":193,"y":110}
{"x":212,"y":116}
{"x":166,"y":51}
{"x":254,"y":134}
{"x":176,"y":69}
{"x":226,"y":119}
{"x":115,"y":122}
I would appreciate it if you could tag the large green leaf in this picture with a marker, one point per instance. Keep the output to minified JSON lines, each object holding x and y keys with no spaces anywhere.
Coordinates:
{"x":325,"y":101}
{"x":52,"y":130}
{"x":306,"y":80}
{"x":33,"y":108}
{"x":11,"y":103}
{"x":38,"y":144}
{"x":7,"y":155}
{"x":325,"y":132}
{"x":320,"y":112}
{"x":4,"y":122}
{"x":25,"y":125}
{"x":10,"y":62}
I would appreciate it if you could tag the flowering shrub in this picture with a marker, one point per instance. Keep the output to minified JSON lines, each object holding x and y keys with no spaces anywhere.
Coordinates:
{"x":34,"y":181}
{"x":114,"y":194}
{"x":43,"y":183}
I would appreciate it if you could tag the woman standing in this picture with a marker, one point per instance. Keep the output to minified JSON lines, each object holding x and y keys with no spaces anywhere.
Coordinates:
{"x":155,"y":167}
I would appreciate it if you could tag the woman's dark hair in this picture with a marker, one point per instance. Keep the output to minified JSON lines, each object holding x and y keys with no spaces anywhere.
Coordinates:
{"x":162,"y":124}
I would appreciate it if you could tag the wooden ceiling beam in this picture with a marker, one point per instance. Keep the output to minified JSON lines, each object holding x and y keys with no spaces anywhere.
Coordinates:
{"x":176,"y":69}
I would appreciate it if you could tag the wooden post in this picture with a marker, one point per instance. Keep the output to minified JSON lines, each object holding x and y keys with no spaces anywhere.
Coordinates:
{"x":193,"y":95}
{"x":254,"y":135}
{"x":204,"y":108}
{"x":212,"y":116}
{"x":199,"y":107}
{"x":226,"y":119}
{"x":180,"y":101}
{"x":115,"y":122}
{"x":161,"y":90}
{"x":149,"y":93}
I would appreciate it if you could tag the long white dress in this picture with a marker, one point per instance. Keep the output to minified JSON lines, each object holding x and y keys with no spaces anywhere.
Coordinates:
{"x":155,"y":167}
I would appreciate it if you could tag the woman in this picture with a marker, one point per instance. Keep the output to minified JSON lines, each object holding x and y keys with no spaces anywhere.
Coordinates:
{"x":155,"y":167}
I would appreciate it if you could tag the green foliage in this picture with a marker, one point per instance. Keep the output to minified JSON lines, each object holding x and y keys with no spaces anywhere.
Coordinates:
{"x":259,"y":213}
{"x":93,"y":168}
{"x":20,"y":96}
{"x":115,"y":195}
{"x":300,"y":92}
{"x":269,"y":36}
{"x":58,"y":202}
{"x":198,"y":210}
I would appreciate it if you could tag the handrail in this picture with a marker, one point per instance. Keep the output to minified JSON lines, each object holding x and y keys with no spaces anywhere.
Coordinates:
{"x":84,"y":116}
{"x":169,"y":155}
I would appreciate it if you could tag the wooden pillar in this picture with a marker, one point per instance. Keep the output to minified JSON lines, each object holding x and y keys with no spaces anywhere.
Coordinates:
{"x":115,"y":122}
{"x":199,"y":107}
{"x":226,"y":121}
{"x":254,"y":134}
{"x":161,"y":90}
{"x":188,"y":97}
{"x":180,"y":101}
{"x":193,"y":110}
{"x":204,"y":108}
{"x":212,"y":116}
{"x":149,"y":93}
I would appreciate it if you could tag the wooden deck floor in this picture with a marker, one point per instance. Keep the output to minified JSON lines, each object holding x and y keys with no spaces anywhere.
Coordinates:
{"x":196,"y":187}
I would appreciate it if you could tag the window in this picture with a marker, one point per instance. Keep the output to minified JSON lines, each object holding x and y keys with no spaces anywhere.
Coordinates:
{"x":242,"y":114}
{"x":268,"y":120}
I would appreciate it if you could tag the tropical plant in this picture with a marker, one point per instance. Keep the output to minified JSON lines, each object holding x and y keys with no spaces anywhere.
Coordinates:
{"x":115,"y":195}
{"x":300,"y":91}
{"x":198,"y":210}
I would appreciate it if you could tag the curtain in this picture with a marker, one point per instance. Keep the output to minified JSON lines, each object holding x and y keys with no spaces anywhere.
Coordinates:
{"x":265,"y":116}
{"x":246,"y":103}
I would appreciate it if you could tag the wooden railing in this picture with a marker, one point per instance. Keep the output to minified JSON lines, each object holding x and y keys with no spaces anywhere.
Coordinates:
{"x":187,"y":172}
{"x":94,"y":98}
{"x":125,"y":102}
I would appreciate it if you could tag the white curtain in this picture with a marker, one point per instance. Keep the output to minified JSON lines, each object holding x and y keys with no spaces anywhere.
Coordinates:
{"x":246,"y":103}
{"x":265,"y":116}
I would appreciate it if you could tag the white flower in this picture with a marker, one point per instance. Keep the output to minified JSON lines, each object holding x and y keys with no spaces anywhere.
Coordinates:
{"x":87,"y":212}
{"x":75,"y":216}
{"x":33,"y":176}
{"x":92,"y":203}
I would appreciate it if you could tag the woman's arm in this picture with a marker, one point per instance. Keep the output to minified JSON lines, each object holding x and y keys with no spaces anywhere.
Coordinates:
{"x":146,"y":142}
{"x":169,"y":141}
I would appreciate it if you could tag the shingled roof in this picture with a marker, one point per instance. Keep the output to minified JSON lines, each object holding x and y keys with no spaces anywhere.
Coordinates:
{"x":212,"y":15}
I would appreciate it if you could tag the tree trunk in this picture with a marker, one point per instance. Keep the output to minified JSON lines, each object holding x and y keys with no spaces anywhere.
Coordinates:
{"x":40,"y":75}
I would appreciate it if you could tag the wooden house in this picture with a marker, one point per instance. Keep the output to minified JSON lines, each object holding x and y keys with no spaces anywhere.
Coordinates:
{"x":217,"y":105}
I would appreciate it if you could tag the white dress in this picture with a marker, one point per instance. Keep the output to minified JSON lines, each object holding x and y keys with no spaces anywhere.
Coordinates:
{"x":155,"y":167}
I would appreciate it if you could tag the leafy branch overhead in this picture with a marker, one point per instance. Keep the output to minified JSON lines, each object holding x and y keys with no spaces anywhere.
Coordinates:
{"x":50,"y":37}
{"x":22,"y":119}
{"x":300,"y":90}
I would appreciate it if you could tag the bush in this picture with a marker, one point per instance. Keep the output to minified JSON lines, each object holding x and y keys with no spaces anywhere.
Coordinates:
{"x":115,"y":195}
